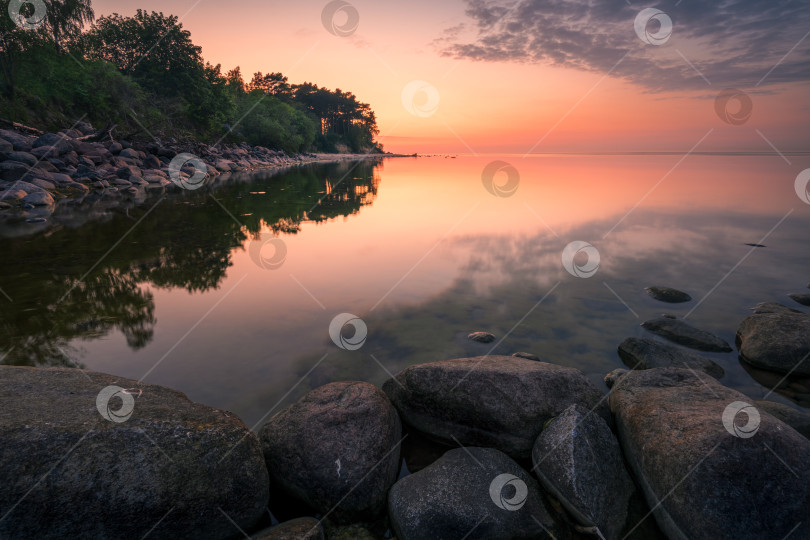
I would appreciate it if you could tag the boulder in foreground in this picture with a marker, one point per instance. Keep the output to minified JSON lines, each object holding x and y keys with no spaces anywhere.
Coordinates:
{"x":491,"y":401}
{"x":337,"y":449}
{"x":163,"y":465}
{"x":711,"y":465}
{"x":578,"y":460}
{"x":472,"y":493}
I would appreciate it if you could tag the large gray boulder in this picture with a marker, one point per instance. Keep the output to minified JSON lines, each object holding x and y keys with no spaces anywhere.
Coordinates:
{"x":160,"y":464}
{"x":777,"y":341}
{"x":644,"y":353}
{"x":336,"y":449}
{"x":472,"y":492}
{"x":683,"y":333}
{"x":578,"y":460}
{"x":710,"y":464}
{"x":492,"y":401}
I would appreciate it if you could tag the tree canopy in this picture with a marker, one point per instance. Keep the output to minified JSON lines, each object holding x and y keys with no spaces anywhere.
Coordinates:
{"x":146,"y":71}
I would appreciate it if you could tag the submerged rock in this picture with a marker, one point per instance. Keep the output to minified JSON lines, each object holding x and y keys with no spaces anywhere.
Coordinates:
{"x":685,"y":334}
{"x":668,"y":294}
{"x":778,"y":341}
{"x":472,"y":493}
{"x":711,"y":465}
{"x":337,"y":449}
{"x":643,"y":353}
{"x":801,"y":298}
{"x":160,"y":464}
{"x":493,"y":401}
{"x":578,"y":460}
{"x":482,"y":337}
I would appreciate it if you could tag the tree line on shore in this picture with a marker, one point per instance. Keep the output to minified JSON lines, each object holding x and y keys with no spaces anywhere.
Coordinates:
{"x":145,"y":75}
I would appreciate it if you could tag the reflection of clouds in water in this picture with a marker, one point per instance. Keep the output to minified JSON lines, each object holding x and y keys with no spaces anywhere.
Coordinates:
{"x":581,"y":323}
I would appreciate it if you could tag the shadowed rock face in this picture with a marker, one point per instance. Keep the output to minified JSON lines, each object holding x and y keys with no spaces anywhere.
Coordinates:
{"x":643,"y":353}
{"x":578,"y":460}
{"x":682,"y":333}
{"x":710,"y":468}
{"x":494,"y":401}
{"x":777,"y":341}
{"x":337,"y":449}
{"x":173,"y":465}
{"x":475,"y":493}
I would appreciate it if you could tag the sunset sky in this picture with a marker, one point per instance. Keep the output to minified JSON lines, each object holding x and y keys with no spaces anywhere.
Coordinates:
{"x":532,"y":75}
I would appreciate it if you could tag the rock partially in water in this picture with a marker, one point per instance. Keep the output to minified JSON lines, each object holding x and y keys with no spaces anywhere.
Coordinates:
{"x":710,"y":465}
{"x":68,"y":472}
{"x":578,"y":460}
{"x":482,"y":337}
{"x":474,"y":493}
{"x":777,"y":341}
{"x":305,"y":528}
{"x":668,"y":294}
{"x":798,"y":420}
{"x":612,"y":377}
{"x":644,"y":353}
{"x":492,"y":401}
{"x":801,"y":298}
{"x":796,"y":388}
{"x":683,"y":333}
{"x":337,"y":449}
{"x":527,"y":356}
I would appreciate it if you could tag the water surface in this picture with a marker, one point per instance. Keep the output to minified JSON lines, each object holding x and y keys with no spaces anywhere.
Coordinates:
{"x":172,"y":293}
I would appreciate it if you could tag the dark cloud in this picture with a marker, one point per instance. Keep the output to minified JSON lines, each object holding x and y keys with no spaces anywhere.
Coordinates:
{"x":731,"y":42}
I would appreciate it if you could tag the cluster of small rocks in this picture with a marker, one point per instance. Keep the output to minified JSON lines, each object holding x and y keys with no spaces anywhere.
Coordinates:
{"x":37,"y":172}
{"x":531,"y":450}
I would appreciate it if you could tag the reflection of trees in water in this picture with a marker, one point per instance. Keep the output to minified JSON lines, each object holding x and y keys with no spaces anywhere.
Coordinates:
{"x":185,"y":242}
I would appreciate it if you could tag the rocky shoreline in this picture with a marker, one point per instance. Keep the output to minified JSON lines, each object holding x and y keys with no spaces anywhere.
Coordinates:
{"x":44,"y":176}
{"x":518,"y":448}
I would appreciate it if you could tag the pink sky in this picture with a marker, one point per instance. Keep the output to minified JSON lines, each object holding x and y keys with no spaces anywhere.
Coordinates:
{"x":483,"y":106}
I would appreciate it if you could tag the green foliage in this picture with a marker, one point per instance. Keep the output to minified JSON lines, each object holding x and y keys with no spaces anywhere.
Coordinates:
{"x":146,"y":70}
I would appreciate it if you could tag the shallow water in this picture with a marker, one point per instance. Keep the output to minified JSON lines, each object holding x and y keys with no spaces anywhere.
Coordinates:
{"x":172,"y":293}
